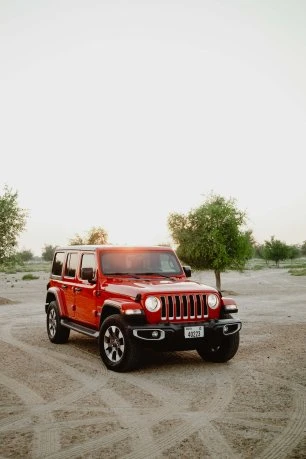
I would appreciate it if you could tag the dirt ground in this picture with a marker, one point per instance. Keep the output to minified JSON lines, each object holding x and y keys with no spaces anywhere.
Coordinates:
{"x":59,"y":401}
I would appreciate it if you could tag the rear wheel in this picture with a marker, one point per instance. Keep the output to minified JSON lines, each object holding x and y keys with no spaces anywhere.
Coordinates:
{"x":220,"y":350}
{"x":118,"y":351}
{"x":56,"y":332}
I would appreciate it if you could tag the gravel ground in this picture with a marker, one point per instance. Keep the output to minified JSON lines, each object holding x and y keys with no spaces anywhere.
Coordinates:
{"x":59,"y":401}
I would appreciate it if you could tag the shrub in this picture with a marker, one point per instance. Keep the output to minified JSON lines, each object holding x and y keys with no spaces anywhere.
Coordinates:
{"x":297,"y":272}
{"x":29,"y":277}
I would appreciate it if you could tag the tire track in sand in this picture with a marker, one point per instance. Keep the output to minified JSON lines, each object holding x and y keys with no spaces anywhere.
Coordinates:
{"x":46,"y":440}
{"x":295,"y":430}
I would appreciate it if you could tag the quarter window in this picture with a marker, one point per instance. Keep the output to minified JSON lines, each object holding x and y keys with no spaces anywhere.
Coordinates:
{"x":58,"y":262}
{"x":88,"y":263}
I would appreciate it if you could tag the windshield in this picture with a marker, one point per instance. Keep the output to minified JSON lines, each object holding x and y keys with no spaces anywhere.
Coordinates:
{"x":140,"y":262}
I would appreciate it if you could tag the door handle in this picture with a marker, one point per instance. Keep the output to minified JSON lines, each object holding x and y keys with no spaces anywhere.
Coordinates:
{"x":64,"y":286}
{"x":77,"y":289}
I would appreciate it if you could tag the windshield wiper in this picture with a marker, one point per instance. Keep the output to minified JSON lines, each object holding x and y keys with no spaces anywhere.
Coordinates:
{"x":159,"y":274}
{"x":123,"y":274}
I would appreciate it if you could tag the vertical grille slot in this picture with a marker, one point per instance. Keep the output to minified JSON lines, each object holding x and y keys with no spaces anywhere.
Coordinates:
{"x":191,"y":309}
{"x":170,"y":307}
{"x":205,"y":306}
{"x":184,"y":307}
{"x":199,"y":306}
{"x":163,"y":309}
{"x":178,"y":313}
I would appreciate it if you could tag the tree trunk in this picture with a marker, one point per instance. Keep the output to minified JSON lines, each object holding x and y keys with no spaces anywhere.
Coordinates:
{"x":218,"y":280}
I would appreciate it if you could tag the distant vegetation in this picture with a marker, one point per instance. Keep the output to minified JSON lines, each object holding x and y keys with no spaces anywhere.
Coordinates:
{"x":295,"y":267}
{"x":96,"y":235}
{"x":12,"y":223}
{"x":298,"y":271}
{"x":28,"y":267}
{"x":277,"y":251}
{"x":29,"y":277}
{"x":48,"y":252}
{"x":213,"y":237}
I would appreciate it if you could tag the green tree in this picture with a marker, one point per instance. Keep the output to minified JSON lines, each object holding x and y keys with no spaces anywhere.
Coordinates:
{"x":260,"y":252}
{"x":12,"y":223}
{"x":25,"y":255}
{"x":48,"y":252}
{"x":276,"y":250}
{"x":293,"y":252}
{"x":96,"y":235}
{"x":303,"y":248}
{"x":210,"y":237}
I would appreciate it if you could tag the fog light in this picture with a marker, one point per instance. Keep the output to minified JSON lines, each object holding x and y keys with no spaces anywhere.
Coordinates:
{"x":225,"y":328}
{"x":155,"y":334}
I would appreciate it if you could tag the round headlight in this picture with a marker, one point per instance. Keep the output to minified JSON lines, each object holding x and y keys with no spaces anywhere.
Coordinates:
{"x":212,"y":301}
{"x":152,"y":304}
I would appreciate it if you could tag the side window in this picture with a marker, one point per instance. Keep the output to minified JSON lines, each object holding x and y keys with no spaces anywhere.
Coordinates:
{"x":71,"y":265}
{"x":58,"y":262}
{"x":88,"y":266}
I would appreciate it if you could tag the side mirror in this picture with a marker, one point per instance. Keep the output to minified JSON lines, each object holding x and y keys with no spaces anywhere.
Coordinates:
{"x":87,"y":274}
{"x":187,"y":271}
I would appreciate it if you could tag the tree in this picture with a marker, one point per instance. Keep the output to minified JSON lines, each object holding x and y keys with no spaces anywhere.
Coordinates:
{"x":260,"y":252}
{"x":276,"y":250}
{"x":210,"y":237}
{"x":96,"y":235}
{"x":293,"y":252}
{"x":12,"y":223}
{"x":25,"y":255}
{"x":48,"y":252}
{"x":303,"y":248}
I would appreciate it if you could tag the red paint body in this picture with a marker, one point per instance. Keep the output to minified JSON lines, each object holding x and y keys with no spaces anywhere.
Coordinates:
{"x":85,"y":301}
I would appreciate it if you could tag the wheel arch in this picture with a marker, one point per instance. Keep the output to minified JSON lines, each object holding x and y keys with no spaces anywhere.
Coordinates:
{"x":53,"y":294}
{"x":109,"y":310}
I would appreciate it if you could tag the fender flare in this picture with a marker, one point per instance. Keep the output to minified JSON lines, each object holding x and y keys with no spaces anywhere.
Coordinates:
{"x":109,"y":305}
{"x":117,"y":306}
{"x":228,"y":301}
{"x":57,"y":294}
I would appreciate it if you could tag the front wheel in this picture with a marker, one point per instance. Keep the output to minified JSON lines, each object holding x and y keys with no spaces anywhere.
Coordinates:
{"x":220,"y":350}
{"x":118,"y":351}
{"x":56,"y":332}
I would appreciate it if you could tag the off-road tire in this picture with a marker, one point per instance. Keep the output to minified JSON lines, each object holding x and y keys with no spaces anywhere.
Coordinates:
{"x":56,"y":332}
{"x":117,"y":349}
{"x":220,"y":350}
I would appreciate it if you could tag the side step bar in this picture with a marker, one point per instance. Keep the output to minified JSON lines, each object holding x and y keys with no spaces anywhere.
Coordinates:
{"x":80,"y":328}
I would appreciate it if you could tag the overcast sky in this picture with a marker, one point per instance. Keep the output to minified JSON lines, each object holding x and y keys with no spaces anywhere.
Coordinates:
{"x":116,"y":113}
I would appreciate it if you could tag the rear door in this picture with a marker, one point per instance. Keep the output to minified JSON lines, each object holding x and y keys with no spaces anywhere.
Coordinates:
{"x":85,"y":292}
{"x":68,"y":282}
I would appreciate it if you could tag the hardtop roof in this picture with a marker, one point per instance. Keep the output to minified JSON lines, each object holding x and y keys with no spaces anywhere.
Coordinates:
{"x":108,"y":247}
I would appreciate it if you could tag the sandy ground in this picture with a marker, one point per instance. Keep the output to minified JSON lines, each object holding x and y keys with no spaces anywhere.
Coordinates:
{"x":59,"y":401}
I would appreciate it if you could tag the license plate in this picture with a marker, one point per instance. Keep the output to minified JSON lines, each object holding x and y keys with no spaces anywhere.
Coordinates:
{"x":194,"y":332}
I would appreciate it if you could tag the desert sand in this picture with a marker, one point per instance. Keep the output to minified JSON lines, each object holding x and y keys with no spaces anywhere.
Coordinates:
{"x":59,"y":401}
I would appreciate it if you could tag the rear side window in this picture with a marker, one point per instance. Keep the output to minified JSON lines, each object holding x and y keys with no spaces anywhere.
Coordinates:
{"x":71,"y":265}
{"x":58,"y":262}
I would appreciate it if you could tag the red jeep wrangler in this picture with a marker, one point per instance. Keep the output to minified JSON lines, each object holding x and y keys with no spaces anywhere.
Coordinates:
{"x":131,"y":298}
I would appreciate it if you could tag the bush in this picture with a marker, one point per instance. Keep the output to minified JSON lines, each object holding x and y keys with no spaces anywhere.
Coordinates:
{"x":297,"y":272}
{"x":29,"y":277}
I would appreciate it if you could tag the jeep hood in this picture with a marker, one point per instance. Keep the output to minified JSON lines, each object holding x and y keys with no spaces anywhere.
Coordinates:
{"x":133,"y":287}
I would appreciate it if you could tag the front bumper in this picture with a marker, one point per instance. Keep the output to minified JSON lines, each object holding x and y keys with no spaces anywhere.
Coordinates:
{"x":172,"y":334}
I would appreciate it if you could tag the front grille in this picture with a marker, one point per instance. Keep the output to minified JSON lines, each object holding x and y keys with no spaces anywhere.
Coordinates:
{"x":183,"y":307}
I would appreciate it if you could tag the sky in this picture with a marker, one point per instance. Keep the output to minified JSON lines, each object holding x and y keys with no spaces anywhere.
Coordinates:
{"x":118,"y":113}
